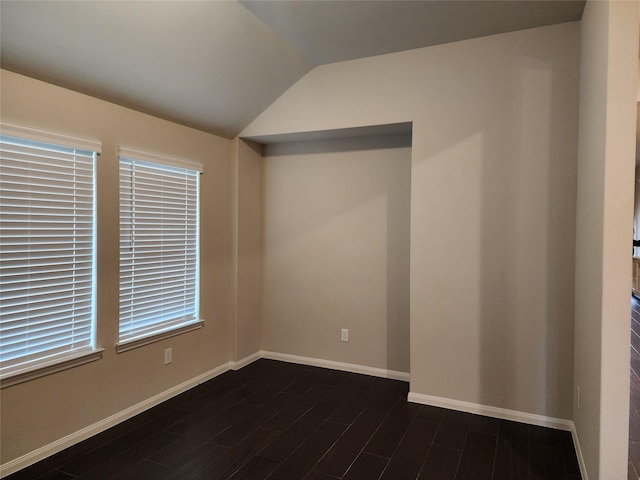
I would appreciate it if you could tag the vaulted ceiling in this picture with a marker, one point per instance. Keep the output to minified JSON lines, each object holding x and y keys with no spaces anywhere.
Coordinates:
{"x":216,"y":65}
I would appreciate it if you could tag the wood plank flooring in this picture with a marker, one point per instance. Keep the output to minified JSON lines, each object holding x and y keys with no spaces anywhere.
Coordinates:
{"x":634,"y":407}
{"x":286,"y":422}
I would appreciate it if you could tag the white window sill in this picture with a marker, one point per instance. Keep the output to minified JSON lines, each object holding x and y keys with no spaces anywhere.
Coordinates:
{"x":53,"y":365}
{"x":146,"y":340}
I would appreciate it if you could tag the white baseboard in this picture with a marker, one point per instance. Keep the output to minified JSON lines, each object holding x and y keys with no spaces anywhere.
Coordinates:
{"x":346,"y":367}
{"x":76,"y":437}
{"x":488,"y":411}
{"x":576,"y":444}
{"x":245,"y":361}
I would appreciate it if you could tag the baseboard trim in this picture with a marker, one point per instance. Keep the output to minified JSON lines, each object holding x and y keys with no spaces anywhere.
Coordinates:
{"x":346,"y":367}
{"x":245,"y":361}
{"x":576,"y":444}
{"x":82,"y":434}
{"x":489,"y":411}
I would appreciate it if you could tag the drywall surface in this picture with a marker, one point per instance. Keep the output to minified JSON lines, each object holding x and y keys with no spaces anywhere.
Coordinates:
{"x":609,"y":38}
{"x":493,"y":188}
{"x":589,"y":233}
{"x":336,"y":250}
{"x":246,"y":320}
{"x":636,"y":209}
{"x":41,"y":411}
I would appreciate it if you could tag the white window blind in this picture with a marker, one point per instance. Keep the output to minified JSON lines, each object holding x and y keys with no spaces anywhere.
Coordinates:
{"x":159,"y":246}
{"x":47,"y":249}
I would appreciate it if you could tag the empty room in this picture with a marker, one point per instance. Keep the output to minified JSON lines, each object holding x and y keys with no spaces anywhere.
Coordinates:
{"x":316,"y":239}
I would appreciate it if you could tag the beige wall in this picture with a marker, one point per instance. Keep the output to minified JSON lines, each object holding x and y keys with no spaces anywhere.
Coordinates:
{"x":492,"y":204}
{"x":38,"y":412}
{"x":336,"y":250}
{"x":247,"y":260}
{"x":609,"y":37}
{"x":636,"y":208}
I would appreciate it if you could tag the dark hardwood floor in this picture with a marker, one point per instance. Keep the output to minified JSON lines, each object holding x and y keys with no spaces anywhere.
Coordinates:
{"x":634,"y":407}
{"x":283,"y":421}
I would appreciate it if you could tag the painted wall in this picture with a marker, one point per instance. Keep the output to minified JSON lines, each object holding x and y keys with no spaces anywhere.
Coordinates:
{"x":636,"y":209}
{"x":609,"y":40}
{"x":492,"y":204}
{"x":41,"y":411}
{"x":247,"y":260}
{"x":336,"y":250}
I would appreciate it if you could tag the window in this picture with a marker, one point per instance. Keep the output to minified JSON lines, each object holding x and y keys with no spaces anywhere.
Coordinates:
{"x":47,"y":253}
{"x":159,"y":236}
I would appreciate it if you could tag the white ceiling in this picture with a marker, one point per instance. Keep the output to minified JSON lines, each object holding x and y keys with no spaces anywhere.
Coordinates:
{"x":216,"y":65}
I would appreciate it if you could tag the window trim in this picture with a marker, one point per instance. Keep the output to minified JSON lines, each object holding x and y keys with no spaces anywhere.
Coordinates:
{"x":15,"y":130}
{"x":43,"y":367}
{"x":130,"y":153}
{"x":173,"y":331}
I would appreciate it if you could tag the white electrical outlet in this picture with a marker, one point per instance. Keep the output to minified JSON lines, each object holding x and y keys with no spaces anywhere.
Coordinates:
{"x":168,"y":353}
{"x":345,"y":335}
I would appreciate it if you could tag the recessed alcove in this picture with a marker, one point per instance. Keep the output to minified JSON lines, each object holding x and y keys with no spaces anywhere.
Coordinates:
{"x":335,"y":243}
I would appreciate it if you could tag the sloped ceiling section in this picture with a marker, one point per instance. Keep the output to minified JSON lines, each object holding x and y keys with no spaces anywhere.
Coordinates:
{"x":332,"y":31}
{"x":211,"y":65}
{"x":216,"y":65}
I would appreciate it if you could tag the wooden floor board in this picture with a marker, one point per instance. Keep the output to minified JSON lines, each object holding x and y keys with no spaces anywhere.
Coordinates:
{"x":441,"y":464}
{"x":407,"y":460}
{"x":455,"y":426}
{"x":338,"y":460}
{"x":478,"y":457}
{"x":366,"y":467}
{"x":296,"y":409}
{"x":386,"y":439}
{"x":300,"y":463}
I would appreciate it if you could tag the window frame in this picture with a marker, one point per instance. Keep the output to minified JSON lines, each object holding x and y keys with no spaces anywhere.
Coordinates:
{"x":195,"y":323}
{"x":49,"y":363}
